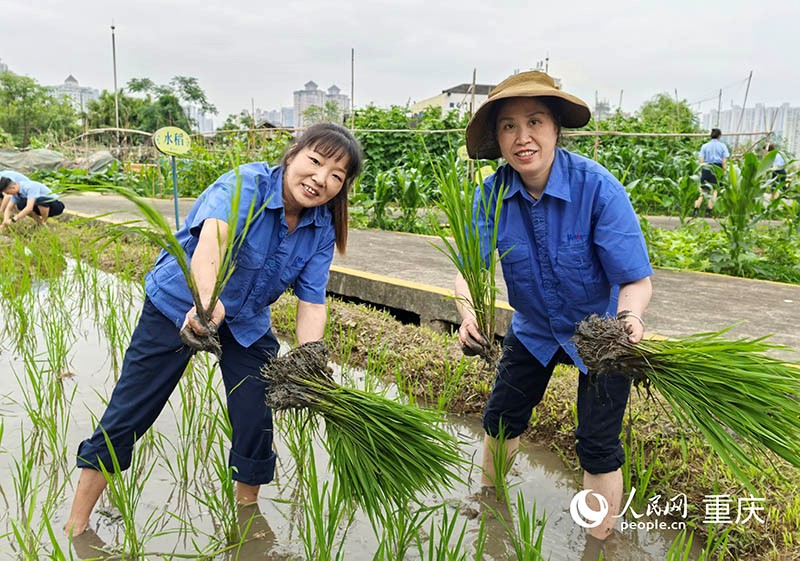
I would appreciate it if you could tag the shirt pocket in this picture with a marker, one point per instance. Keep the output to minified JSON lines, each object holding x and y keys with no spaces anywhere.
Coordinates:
{"x":292,"y":270}
{"x":578,"y":274}
{"x":517,"y":270}
{"x":247,"y":263}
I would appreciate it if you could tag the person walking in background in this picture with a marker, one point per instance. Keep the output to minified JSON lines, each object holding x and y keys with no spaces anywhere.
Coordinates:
{"x":30,"y":198}
{"x":572,"y":246}
{"x":713,"y":153}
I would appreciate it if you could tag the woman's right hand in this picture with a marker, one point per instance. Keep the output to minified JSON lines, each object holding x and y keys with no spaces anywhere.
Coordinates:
{"x":469,"y":335}
{"x":192,"y":320}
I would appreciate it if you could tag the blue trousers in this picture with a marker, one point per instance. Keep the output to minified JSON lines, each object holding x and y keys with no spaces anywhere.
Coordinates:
{"x":519,"y":385}
{"x":153,"y":365}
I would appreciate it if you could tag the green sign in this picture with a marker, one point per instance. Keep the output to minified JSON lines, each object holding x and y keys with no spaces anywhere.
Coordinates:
{"x":172,"y":141}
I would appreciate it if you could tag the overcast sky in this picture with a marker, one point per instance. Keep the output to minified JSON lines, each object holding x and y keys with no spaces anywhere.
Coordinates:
{"x":412,"y":49}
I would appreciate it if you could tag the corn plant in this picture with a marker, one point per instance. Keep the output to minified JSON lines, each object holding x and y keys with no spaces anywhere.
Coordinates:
{"x":742,"y":205}
{"x":472,"y":249}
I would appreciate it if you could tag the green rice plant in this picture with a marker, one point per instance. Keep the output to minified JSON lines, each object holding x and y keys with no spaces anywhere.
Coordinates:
{"x":382,"y":453}
{"x":25,"y":530}
{"x":445,"y":541}
{"x":735,"y":394}
{"x":502,"y":463}
{"x":525,"y":530}
{"x":472,"y":250}
{"x":221,"y":502}
{"x":124,"y":490}
{"x":398,"y":531}
{"x":451,"y":385}
{"x":637,"y":471}
{"x":715,"y":548}
{"x":326,"y":515}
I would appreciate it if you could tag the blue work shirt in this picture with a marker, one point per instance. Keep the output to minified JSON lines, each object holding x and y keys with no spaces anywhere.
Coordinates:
{"x":33,"y":190}
{"x":567,"y":252}
{"x":714,"y":151}
{"x":267,"y":262}
{"x":14,"y":176}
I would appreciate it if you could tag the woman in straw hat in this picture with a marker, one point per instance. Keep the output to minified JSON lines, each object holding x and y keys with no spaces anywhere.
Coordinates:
{"x":573,"y":247}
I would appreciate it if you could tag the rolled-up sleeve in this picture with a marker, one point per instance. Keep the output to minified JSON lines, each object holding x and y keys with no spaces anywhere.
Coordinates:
{"x":620,"y":243}
{"x":311,"y":283}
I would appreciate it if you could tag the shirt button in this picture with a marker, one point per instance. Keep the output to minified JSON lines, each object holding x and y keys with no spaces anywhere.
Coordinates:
{"x":271,"y":263}
{"x":282,"y":234}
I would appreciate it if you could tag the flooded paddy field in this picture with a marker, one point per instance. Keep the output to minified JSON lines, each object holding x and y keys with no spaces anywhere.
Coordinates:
{"x":65,"y":327}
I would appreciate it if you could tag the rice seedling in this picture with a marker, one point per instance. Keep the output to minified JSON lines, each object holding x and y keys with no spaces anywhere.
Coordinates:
{"x":124,"y":490}
{"x":735,"y":394}
{"x":451,"y":383}
{"x":637,"y":471}
{"x":221,"y":502}
{"x":398,"y":531}
{"x":502,"y":462}
{"x":715,"y":548}
{"x":325,"y":512}
{"x":473,"y":248}
{"x":382,"y":452}
{"x":445,"y":541}
{"x":525,"y":529}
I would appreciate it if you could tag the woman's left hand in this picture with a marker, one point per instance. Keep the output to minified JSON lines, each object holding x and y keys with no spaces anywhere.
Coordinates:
{"x":634,"y":327}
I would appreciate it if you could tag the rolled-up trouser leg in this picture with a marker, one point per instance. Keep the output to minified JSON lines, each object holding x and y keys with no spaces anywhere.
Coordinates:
{"x":601,"y":407}
{"x":251,"y":455}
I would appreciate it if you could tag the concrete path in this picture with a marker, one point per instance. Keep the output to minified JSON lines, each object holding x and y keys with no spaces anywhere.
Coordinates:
{"x":405,"y":272}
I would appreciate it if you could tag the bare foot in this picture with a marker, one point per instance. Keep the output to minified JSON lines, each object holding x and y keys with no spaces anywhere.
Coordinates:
{"x":73,"y":528}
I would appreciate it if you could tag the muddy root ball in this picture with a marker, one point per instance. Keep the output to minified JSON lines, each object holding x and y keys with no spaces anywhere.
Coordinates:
{"x":602,"y":343}
{"x":295,"y":377}
{"x":208,"y":342}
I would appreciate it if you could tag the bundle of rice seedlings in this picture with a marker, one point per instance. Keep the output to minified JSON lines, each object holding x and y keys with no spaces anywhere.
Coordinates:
{"x":472,"y":249}
{"x":740,"y":398}
{"x":383,"y":453}
{"x":159,"y":231}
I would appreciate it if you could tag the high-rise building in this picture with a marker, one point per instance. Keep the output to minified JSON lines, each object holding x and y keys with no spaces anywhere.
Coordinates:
{"x":3,"y":66}
{"x":199,"y":119}
{"x":781,"y":121}
{"x":79,"y":96}
{"x":311,"y":96}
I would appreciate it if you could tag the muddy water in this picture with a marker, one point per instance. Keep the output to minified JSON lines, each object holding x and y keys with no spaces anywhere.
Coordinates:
{"x":176,"y":519}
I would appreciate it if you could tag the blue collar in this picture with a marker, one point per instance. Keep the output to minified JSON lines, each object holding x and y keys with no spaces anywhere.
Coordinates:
{"x":557,"y":186}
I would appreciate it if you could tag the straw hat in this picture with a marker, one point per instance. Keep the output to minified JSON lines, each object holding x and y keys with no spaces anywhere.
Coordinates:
{"x":481,"y":141}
